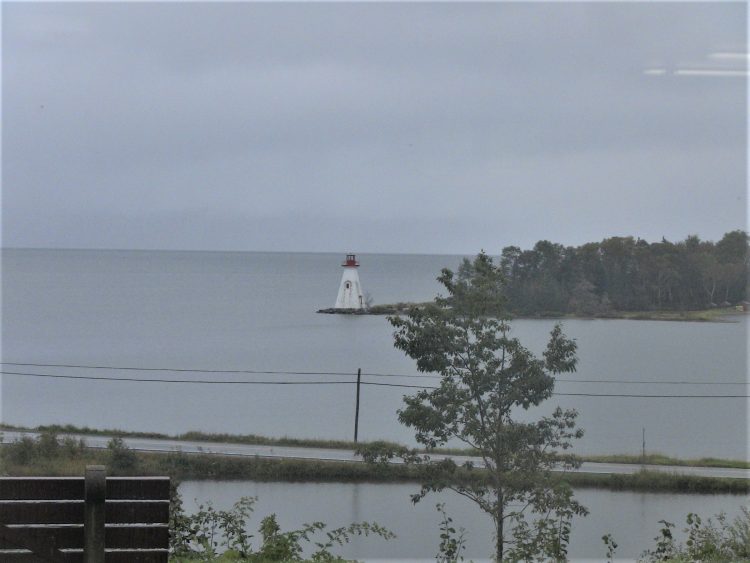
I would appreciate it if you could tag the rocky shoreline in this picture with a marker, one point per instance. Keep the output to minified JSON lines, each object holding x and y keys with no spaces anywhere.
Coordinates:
{"x":708,"y":315}
{"x":334,"y":311}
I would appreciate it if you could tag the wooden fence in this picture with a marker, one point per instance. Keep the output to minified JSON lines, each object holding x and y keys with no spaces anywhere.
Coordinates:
{"x":95,"y":519}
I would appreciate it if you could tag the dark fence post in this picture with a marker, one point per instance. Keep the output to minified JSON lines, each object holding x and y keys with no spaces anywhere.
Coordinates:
{"x":93,"y":522}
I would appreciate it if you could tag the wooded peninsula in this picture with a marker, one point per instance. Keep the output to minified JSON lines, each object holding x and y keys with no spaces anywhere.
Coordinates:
{"x":623,"y":277}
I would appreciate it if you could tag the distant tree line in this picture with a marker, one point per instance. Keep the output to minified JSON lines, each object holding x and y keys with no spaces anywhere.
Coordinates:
{"x":626,"y":274}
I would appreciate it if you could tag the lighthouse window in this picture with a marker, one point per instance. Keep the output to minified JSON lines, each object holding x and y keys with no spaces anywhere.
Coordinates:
{"x":347,"y":285}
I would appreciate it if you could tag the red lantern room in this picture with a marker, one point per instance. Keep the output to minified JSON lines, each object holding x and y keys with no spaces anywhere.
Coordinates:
{"x":351,"y":261}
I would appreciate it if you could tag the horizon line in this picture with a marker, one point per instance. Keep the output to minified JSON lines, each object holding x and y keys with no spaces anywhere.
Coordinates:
{"x":101,"y":249}
{"x":349,"y":250}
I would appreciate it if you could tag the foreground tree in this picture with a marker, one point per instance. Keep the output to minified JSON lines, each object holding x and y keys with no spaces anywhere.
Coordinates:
{"x":487,"y":379}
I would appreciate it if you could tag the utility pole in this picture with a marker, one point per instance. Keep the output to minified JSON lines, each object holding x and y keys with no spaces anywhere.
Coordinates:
{"x":356,"y":409}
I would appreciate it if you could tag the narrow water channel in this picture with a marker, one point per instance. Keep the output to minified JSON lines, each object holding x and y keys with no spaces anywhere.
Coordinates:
{"x":632,"y":518}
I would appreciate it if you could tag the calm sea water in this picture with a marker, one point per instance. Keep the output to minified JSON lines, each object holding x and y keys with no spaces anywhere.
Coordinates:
{"x":256,"y":311}
{"x":631,"y":518}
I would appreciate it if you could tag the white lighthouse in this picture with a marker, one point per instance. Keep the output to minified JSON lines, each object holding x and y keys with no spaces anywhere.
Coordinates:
{"x":350,"y":294}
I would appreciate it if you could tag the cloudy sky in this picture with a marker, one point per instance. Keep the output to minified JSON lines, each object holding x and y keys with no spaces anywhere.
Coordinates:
{"x":434,"y":127}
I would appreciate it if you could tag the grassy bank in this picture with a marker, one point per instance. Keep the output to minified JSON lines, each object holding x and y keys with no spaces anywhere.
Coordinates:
{"x":661,"y":459}
{"x":655,"y":481}
{"x":254,"y":439}
{"x":40,"y":457}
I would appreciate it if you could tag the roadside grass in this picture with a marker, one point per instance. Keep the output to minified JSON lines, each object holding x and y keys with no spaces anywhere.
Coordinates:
{"x":195,"y":436}
{"x":234,"y":557}
{"x":661,"y":459}
{"x":254,"y":439}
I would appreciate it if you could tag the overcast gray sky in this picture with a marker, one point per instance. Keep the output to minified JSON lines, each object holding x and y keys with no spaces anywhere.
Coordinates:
{"x":436,"y":127}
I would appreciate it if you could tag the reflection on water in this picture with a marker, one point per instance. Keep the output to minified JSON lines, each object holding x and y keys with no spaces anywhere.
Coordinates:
{"x":632,"y":518}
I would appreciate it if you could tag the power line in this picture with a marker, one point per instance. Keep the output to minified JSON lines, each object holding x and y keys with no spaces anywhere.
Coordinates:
{"x":606,"y":381}
{"x":343,"y":374}
{"x":203,"y":381}
{"x":401,"y":385}
{"x":653,"y":382}
{"x":609,"y":381}
{"x":178,"y":370}
{"x":590,"y":394}
{"x":652,"y":396}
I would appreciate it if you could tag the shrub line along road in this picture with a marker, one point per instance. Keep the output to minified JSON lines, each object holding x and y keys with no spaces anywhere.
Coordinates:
{"x":326,"y":454}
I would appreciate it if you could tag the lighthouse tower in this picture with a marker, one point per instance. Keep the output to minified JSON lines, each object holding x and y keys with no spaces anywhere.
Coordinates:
{"x":350,"y":294}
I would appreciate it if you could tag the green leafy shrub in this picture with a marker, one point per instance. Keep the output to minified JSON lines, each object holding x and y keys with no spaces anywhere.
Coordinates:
{"x":71,"y":448}
{"x":209,"y":533}
{"x":20,"y":452}
{"x":452,"y":543}
{"x":47,"y":445}
{"x":712,"y":540}
{"x":42,"y":450}
{"x":611,"y":546}
{"x":122,"y":460}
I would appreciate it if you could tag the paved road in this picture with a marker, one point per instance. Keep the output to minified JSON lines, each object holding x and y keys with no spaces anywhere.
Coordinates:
{"x":326,"y":454}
